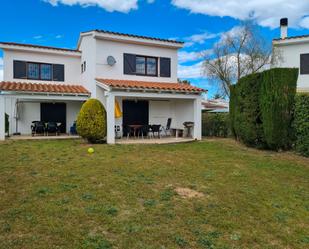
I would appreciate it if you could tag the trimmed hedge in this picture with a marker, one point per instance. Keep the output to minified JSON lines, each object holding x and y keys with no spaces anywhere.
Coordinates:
{"x":301,"y":124}
{"x":261,"y":108}
{"x":91,"y":121}
{"x":215,"y":124}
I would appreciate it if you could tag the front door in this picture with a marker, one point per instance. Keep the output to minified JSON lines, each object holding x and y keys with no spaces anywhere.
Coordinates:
{"x":135,"y":112}
{"x":54,"y":112}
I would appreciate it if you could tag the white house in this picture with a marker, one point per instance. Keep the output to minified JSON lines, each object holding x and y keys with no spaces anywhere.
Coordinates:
{"x":294,"y":51}
{"x":139,"y":73}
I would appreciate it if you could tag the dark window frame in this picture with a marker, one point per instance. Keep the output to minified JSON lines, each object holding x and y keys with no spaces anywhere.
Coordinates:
{"x":146,"y":74}
{"x":40,"y":77}
{"x":303,"y":69}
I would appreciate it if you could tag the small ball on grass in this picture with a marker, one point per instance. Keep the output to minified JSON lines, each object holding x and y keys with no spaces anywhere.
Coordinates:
{"x":90,"y":150}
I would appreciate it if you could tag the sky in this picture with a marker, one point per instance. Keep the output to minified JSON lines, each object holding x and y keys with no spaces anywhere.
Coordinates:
{"x":199,"y":23}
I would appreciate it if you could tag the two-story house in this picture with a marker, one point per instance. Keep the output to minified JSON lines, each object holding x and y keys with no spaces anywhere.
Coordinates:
{"x":138,"y":73}
{"x":294,"y":52}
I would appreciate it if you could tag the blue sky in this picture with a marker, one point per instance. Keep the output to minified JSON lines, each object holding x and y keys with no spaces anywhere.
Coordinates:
{"x":199,"y":23}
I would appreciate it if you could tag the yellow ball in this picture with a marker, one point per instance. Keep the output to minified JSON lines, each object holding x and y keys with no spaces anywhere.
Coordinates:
{"x":90,"y":150}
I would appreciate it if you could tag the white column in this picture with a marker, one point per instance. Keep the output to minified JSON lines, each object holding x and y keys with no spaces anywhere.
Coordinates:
{"x":2,"y":118}
{"x":197,"y":106}
{"x":110,"y":113}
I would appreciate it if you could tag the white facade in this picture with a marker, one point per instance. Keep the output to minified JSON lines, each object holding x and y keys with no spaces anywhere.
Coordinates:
{"x":93,"y":49}
{"x":290,"y":50}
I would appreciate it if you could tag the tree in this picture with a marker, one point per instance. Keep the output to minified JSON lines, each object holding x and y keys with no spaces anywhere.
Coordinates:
{"x":239,"y":52}
{"x":91,"y":121}
{"x":183,"y":81}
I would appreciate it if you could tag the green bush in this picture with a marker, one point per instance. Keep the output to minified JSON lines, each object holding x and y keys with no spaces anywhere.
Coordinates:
{"x":215,"y":124}
{"x":276,"y":101}
{"x":91,"y":121}
{"x":261,"y":108}
{"x":301,"y":124}
{"x":7,"y":123}
{"x":246,"y":122}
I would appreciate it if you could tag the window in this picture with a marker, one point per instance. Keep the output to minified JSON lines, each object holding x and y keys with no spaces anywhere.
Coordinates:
{"x":151,"y":66}
{"x":38,"y":71}
{"x":146,"y":66}
{"x":140,"y":65}
{"x":46,"y":71}
{"x":84,"y":66}
{"x":33,"y":71}
{"x":304,"y":64}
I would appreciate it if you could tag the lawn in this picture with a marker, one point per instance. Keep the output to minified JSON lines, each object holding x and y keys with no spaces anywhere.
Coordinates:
{"x":56,"y":195}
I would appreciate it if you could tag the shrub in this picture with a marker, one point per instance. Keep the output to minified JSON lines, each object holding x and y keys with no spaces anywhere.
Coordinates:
{"x":276,"y":101}
{"x":246,"y":124}
{"x":215,"y":124}
{"x":91,"y":121}
{"x":301,"y":124}
{"x":261,"y":108}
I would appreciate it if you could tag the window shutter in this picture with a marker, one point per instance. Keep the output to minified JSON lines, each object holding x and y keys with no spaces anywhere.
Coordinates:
{"x":58,"y":72}
{"x":165,"y":67}
{"x":20,"y":69}
{"x":129,"y":64}
{"x":304,"y":64}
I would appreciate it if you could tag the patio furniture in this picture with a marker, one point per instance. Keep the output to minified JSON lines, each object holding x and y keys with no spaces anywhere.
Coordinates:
{"x":188,"y":125}
{"x":176,"y":131}
{"x":146,"y":129}
{"x":156,"y":129}
{"x":136,"y":129}
{"x":37,"y":127}
{"x":167,"y":128}
{"x":73,"y":130}
{"x":127,"y":131}
{"x":117,"y":132}
{"x":52,"y":127}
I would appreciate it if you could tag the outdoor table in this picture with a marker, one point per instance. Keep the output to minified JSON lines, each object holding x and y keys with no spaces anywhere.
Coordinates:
{"x":135,"y":127}
{"x":177,"y":130}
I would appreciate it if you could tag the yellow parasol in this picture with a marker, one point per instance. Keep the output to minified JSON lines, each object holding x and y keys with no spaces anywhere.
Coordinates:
{"x":118,"y":113}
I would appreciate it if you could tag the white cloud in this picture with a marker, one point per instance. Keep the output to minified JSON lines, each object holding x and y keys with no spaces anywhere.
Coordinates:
{"x":193,"y":71}
{"x":304,"y":23}
{"x":267,"y":13}
{"x":198,"y":38}
{"x":184,"y":56}
{"x":109,"y":5}
{"x":37,"y":37}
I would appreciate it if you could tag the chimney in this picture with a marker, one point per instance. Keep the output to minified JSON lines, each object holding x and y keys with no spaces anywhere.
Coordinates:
{"x":284,"y":28}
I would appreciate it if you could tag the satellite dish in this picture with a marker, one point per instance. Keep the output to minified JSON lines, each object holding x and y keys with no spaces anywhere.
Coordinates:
{"x":111,"y":60}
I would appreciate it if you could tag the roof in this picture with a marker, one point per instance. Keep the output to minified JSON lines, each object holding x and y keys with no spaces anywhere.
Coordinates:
{"x":39,"y":46}
{"x":291,"y":37}
{"x":135,"y":36}
{"x":159,"y":86}
{"x":43,"y":88}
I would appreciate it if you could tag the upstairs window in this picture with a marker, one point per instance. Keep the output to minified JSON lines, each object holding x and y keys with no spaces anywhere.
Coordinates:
{"x":143,"y":65}
{"x":33,"y":71}
{"x":304,"y":64}
{"x":38,"y":71}
{"x":46,"y":71}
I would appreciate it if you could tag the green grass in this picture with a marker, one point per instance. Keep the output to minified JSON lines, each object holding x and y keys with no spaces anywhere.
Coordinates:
{"x":56,"y":195}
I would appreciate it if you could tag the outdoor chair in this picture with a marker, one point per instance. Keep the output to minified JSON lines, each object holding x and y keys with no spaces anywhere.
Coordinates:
{"x":37,"y":127}
{"x":146,"y":130}
{"x":73,"y":130}
{"x":52,"y":127}
{"x":167,"y":128}
{"x":127,"y":130}
{"x":156,"y":129}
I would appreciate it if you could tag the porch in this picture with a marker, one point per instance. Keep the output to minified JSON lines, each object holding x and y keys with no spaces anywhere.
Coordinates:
{"x":163,"y":140}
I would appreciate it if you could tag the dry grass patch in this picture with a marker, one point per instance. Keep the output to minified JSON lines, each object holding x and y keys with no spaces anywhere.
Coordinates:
{"x":188,"y":193}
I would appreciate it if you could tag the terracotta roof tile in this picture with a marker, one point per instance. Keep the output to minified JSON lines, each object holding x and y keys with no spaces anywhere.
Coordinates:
{"x":39,"y":46}
{"x":134,"y":84}
{"x":135,"y":36}
{"x":42,"y":87}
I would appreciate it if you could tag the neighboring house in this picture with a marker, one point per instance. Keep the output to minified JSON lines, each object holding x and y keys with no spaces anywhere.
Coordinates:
{"x":140,"y":73}
{"x":215,"y":105}
{"x":294,"y":51}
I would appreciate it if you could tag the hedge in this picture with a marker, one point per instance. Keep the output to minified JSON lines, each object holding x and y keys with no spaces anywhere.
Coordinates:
{"x":277,"y":98}
{"x":91,"y":121}
{"x":215,"y":124}
{"x":301,"y":124}
{"x":261,"y":108}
